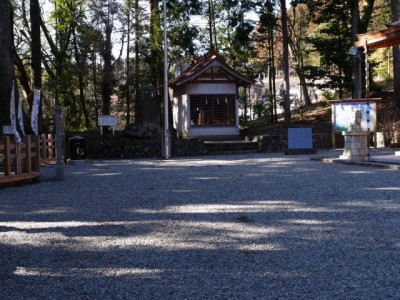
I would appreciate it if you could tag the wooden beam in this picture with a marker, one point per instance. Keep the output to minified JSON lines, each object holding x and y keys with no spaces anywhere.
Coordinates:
{"x":20,"y":177}
{"x":213,"y":81}
{"x":213,"y":75}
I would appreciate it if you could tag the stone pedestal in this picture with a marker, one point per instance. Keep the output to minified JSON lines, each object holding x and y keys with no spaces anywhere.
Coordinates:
{"x":355,"y":145}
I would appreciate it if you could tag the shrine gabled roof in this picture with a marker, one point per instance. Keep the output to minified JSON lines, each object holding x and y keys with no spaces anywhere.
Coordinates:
{"x":380,"y":39}
{"x":210,"y":68}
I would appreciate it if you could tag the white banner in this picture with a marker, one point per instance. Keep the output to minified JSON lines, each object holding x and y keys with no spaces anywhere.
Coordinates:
{"x":21,"y":115}
{"x":13,"y":117}
{"x":35,"y":111}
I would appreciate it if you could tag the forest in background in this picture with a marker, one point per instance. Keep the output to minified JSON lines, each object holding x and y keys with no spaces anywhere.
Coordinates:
{"x":92,"y":57}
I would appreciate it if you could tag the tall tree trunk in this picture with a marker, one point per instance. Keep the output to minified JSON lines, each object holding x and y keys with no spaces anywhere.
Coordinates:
{"x":295,"y":41}
{"x":80,"y":68}
{"x":128,"y":96}
{"x":270,"y":94}
{"x":210,"y":24}
{"x":94,"y":76}
{"x":303,"y":85}
{"x":7,"y":74}
{"x":137,"y":63}
{"x":285,"y":63}
{"x":36,"y":56}
{"x":157,"y":57}
{"x":36,"y":51}
{"x":271,"y":71}
{"x":107,"y":75}
{"x":156,"y":45}
{"x":23,"y":76}
{"x":214,"y":26}
{"x":356,"y":59}
{"x":396,"y":55}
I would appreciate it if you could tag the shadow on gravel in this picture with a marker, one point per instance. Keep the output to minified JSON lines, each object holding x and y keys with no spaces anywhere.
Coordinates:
{"x":207,"y":228}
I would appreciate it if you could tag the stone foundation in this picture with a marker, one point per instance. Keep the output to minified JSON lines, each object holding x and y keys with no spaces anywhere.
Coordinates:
{"x":355,"y":145}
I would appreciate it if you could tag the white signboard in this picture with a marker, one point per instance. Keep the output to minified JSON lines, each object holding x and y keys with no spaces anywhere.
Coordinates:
{"x":107,"y":120}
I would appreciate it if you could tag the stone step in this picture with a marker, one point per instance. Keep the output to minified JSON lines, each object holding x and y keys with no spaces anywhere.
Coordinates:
{"x":231,"y":147}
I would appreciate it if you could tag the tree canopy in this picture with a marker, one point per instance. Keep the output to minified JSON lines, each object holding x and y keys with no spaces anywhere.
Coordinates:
{"x":91,"y":57}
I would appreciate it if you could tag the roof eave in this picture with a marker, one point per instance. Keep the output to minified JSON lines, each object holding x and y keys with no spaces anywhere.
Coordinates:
{"x":379,"y":39}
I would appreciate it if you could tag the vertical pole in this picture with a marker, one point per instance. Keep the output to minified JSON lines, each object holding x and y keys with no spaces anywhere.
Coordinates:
{"x":18,"y":158}
{"x":366,"y":69}
{"x":166,"y":129}
{"x":128,"y":108}
{"x":59,"y":161}
{"x":333,"y":126}
{"x":36,"y":158}
{"x":42,"y":147}
{"x":7,"y":153}
{"x":28,"y":154}
{"x":359,"y":58}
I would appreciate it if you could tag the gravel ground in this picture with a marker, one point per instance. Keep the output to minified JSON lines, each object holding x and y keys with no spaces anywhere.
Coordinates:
{"x":263,"y":226}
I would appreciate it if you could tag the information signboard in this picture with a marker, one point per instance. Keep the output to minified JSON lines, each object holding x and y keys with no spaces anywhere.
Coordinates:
{"x":344,"y":111}
{"x":107,"y":120}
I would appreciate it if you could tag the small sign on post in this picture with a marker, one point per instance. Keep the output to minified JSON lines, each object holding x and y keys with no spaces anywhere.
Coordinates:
{"x":8,"y":129}
{"x":107,"y":120}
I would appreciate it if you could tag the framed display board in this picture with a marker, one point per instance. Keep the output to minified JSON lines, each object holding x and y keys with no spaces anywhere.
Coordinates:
{"x":343,"y":112}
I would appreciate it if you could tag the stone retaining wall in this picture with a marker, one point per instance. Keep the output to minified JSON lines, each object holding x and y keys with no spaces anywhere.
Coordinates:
{"x":105,"y":148}
{"x":120,"y":147}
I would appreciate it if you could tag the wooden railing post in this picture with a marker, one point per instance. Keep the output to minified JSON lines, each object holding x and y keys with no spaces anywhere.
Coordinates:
{"x":36,"y":154}
{"x":18,"y":158}
{"x":7,"y":153}
{"x":28,"y":152}
{"x":52,"y":146}
{"x":43,"y":146}
{"x":20,"y":161}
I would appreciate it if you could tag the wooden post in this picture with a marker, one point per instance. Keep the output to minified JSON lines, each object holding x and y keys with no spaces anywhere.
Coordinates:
{"x":28,"y":152}
{"x":18,"y":158}
{"x":2,"y":156}
{"x":7,"y":153}
{"x":42,"y":147}
{"x":36,"y":154}
{"x":50,"y":146}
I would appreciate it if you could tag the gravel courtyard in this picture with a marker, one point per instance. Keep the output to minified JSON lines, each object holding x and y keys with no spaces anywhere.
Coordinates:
{"x":262,"y":226}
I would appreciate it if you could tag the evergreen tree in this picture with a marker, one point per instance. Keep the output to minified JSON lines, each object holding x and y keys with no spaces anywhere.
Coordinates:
{"x":7,"y":75}
{"x":331,"y":41}
{"x":396,"y":54}
{"x":299,"y":21}
{"x":285,"y":63}
{"x":265,"y":40}
{"x":36,"y":56}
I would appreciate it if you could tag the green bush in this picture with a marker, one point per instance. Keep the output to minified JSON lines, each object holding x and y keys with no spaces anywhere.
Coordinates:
{"x":260,"y":122}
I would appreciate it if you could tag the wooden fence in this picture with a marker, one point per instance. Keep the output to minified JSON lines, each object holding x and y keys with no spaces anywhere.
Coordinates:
{"x":47,"y":148}
{"x":21,"y":161}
